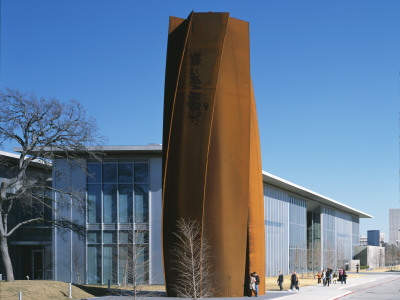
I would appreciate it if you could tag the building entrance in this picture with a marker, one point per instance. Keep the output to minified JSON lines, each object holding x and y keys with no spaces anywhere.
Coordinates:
{"x":37,"y":264}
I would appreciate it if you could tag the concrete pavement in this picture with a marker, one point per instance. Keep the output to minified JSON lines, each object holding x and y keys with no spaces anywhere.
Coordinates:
{"x":371,"y":286}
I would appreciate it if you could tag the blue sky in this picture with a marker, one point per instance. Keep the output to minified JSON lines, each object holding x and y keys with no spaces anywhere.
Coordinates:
{"x":325,"y":75}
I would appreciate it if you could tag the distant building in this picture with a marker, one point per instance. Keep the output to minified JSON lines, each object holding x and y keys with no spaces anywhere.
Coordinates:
{"x":394,"y":225}
{"x":363,"y":240}
{"x":373,"y":237}
{"x":371,"y":256}
{"x":381,"y":239}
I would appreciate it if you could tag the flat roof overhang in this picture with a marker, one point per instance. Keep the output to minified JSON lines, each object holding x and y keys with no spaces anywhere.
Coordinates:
{"x":299,"y":190}
{"x":151,"y":149}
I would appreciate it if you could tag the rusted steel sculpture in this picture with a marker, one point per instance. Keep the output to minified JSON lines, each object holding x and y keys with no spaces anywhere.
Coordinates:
{"x":211,"y":149}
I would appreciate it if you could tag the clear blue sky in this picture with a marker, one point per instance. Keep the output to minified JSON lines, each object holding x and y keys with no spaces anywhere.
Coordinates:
{"x":325,"y":74}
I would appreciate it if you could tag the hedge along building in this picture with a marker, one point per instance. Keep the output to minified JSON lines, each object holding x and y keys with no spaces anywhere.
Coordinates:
{"x":124,"y":197}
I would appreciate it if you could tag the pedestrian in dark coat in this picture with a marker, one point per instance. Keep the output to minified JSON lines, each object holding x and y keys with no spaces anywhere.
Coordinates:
{"x":280,"y":280}
{"x":293,"y":280}
{"x":344,"y":276}
{"x":328,"y":275}
{"x":257,"y":282}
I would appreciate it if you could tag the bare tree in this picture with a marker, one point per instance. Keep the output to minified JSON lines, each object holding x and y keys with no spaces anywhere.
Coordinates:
{"x":77,"y":260}
{"x":330,"y":255}
{"x":43,"y":129}
{"x":314,"y":257}
{"x":133,"y":260}
{"x":192,"y":261}
{"x":391,"y":255}
{"x":340,"y":255}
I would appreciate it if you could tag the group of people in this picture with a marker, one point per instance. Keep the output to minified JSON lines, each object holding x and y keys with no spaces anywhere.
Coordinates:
{"x":328,"y":276}
{"x":294,"y":281}
{"x":254,"y":282}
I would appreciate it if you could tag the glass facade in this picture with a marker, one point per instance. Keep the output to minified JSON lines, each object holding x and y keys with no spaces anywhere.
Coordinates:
{"x":340,"y":235}
{"x":276,"y":215}
{"x":117,"y":221}
{"x":285,"y":231}
{"x":314,"y":251}
{"x":297,"y":233}
{"x":301,"y":235}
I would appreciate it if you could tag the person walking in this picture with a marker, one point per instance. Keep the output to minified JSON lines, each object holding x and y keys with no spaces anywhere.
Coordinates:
{"x":256,"y":283}
{"x":324,"y":277}
{"x":328,"y":274}
{"x":297,"y":282}
{"x":341,"y":275}
{"x":319,"y":275}
{"x":252,"y":284}
{"x":280,"y":280}
{"x":344,"y":276}
{"x":293,"y":280}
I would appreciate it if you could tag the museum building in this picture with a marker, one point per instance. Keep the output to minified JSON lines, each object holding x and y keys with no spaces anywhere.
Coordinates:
{"x":303,"y":229}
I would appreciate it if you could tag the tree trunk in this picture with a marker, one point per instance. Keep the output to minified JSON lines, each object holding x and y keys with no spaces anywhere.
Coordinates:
{"x":6,"y":259}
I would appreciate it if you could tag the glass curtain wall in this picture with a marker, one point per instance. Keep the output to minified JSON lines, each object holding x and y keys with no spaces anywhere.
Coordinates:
{"x":285,"y":231}
{"x":117,"y":213}
{"x":355,"y":233}
{"x":329,"y":238}
{"x":276,"y":215}
{"x":344,"y":239}
{"x":297,"y":233}
{"x":314,"y":255}
{"x":340,"y":235}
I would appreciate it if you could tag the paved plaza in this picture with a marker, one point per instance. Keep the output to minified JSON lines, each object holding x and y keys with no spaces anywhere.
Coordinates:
{"x":371,"y":286}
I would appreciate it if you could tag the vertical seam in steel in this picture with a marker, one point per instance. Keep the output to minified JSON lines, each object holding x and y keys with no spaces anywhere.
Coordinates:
{"x":209,"y":137}
{"x":169,"y":139}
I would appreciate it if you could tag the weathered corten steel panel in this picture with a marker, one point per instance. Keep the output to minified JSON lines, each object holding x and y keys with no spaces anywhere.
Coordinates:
{"x":211,"y":149}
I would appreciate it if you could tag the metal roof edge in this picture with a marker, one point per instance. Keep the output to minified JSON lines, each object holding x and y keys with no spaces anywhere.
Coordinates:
{"x":280,"y":182}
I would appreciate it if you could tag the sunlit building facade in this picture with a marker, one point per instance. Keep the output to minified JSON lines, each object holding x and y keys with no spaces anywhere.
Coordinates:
{"x":305,"y":230}
{"x":122,"y":219}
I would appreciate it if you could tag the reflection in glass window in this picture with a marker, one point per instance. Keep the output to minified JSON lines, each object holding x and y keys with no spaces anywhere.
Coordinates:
{"x":94,"y":173}
{"x":94,"y":237}
{"x":110,"y":263}
{"x":142,"y":237}
{"x":141,"y":172}
{"x":125,"y":264}
{"x":141,"y":263}
{"x":125,"y":237}
{"x":110,"y":172}
{"x":141,"y":203}
{"x":94,"y":203}
{"x":94,"y":264}
{"x":110,"y":203}
{"x":109,"y":237}
{"x":125,"y":172}
{"x":125,"y":203}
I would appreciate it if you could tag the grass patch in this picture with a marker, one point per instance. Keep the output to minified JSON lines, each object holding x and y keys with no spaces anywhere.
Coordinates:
{"x":57,"y":290}
{"x":40,"y":290}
